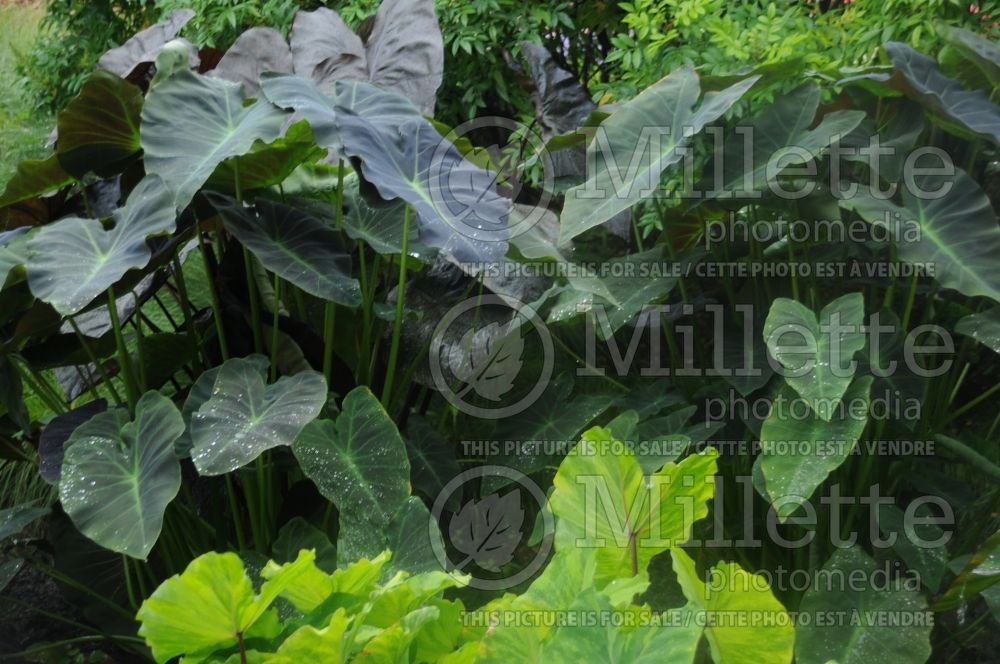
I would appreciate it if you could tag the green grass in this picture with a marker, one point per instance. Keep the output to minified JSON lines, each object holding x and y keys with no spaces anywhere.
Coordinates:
{"x":23,"y":129}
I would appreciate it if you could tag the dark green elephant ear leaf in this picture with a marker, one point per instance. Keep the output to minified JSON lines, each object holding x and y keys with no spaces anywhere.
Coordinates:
{"x":299,"y":534}
{"x":34,"y":178}
{"x":966,"y":112}
{"x":144,"y":46}
{"x":99,"y":129}
{"x":412,"y":534}
{"x":359,"y":461}
{"x":75,"y":260}
{"x":672,"y":105}
{"x":958,"y":235}
{"x":245,"y":417}
{"x":185,"y":148}
{"x":403,"y":155}
{"x":982,"y":52}
{"x":293,"y":244}
{"x":119,"y":475}
{"x":857,"y":641}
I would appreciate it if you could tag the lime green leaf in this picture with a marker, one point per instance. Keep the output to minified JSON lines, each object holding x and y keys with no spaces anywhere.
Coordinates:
{"x":358,"y":579}
{"x":815,"y":354}
{"x":317,"y":645}
{"x":858,"y":638}
{"x":244,"y":417}
{"x":604,"y":501}
{"x":209,"y":605}
{"x":119,"y":475}
{"x":393,"y":644}
{"x":610,"y":644}
{"x":741,"y":592}
{"x":798,"y":453}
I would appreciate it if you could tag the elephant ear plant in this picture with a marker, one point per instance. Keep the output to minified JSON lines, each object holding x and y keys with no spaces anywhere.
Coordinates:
{"x":257,"y":330}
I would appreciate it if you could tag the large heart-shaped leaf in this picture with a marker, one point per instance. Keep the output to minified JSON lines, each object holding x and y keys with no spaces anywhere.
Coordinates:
{"x":405,"y":51}
{"x":958,"y":232}
{"x":778,"y":135}
{"x":912,"y":535}
{"x":460,"y":211}
{"x":325,"y":49}
{"x":119,"y":474}
{"x":294,"y":245}
{"x":637,"y":143}
{"x":99,"y":129}
{"x":850,"y":641}
{"x":74,"y":260}
{"x":185,"y":148}
{"x":919,"y":78}
{"x":816,"y":354}
{"x":359,"y":461}
{"x":144,"y":46}
{"x":254,"y":52}
{"x":798,"y":452}
{"x":211,"y":605}
{"x":244,"y":416}
{"x":734,"y":592}
{"x":605,"y":502}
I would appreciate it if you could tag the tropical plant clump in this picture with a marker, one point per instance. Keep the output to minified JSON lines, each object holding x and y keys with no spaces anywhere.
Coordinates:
{"x":705,"y":374}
